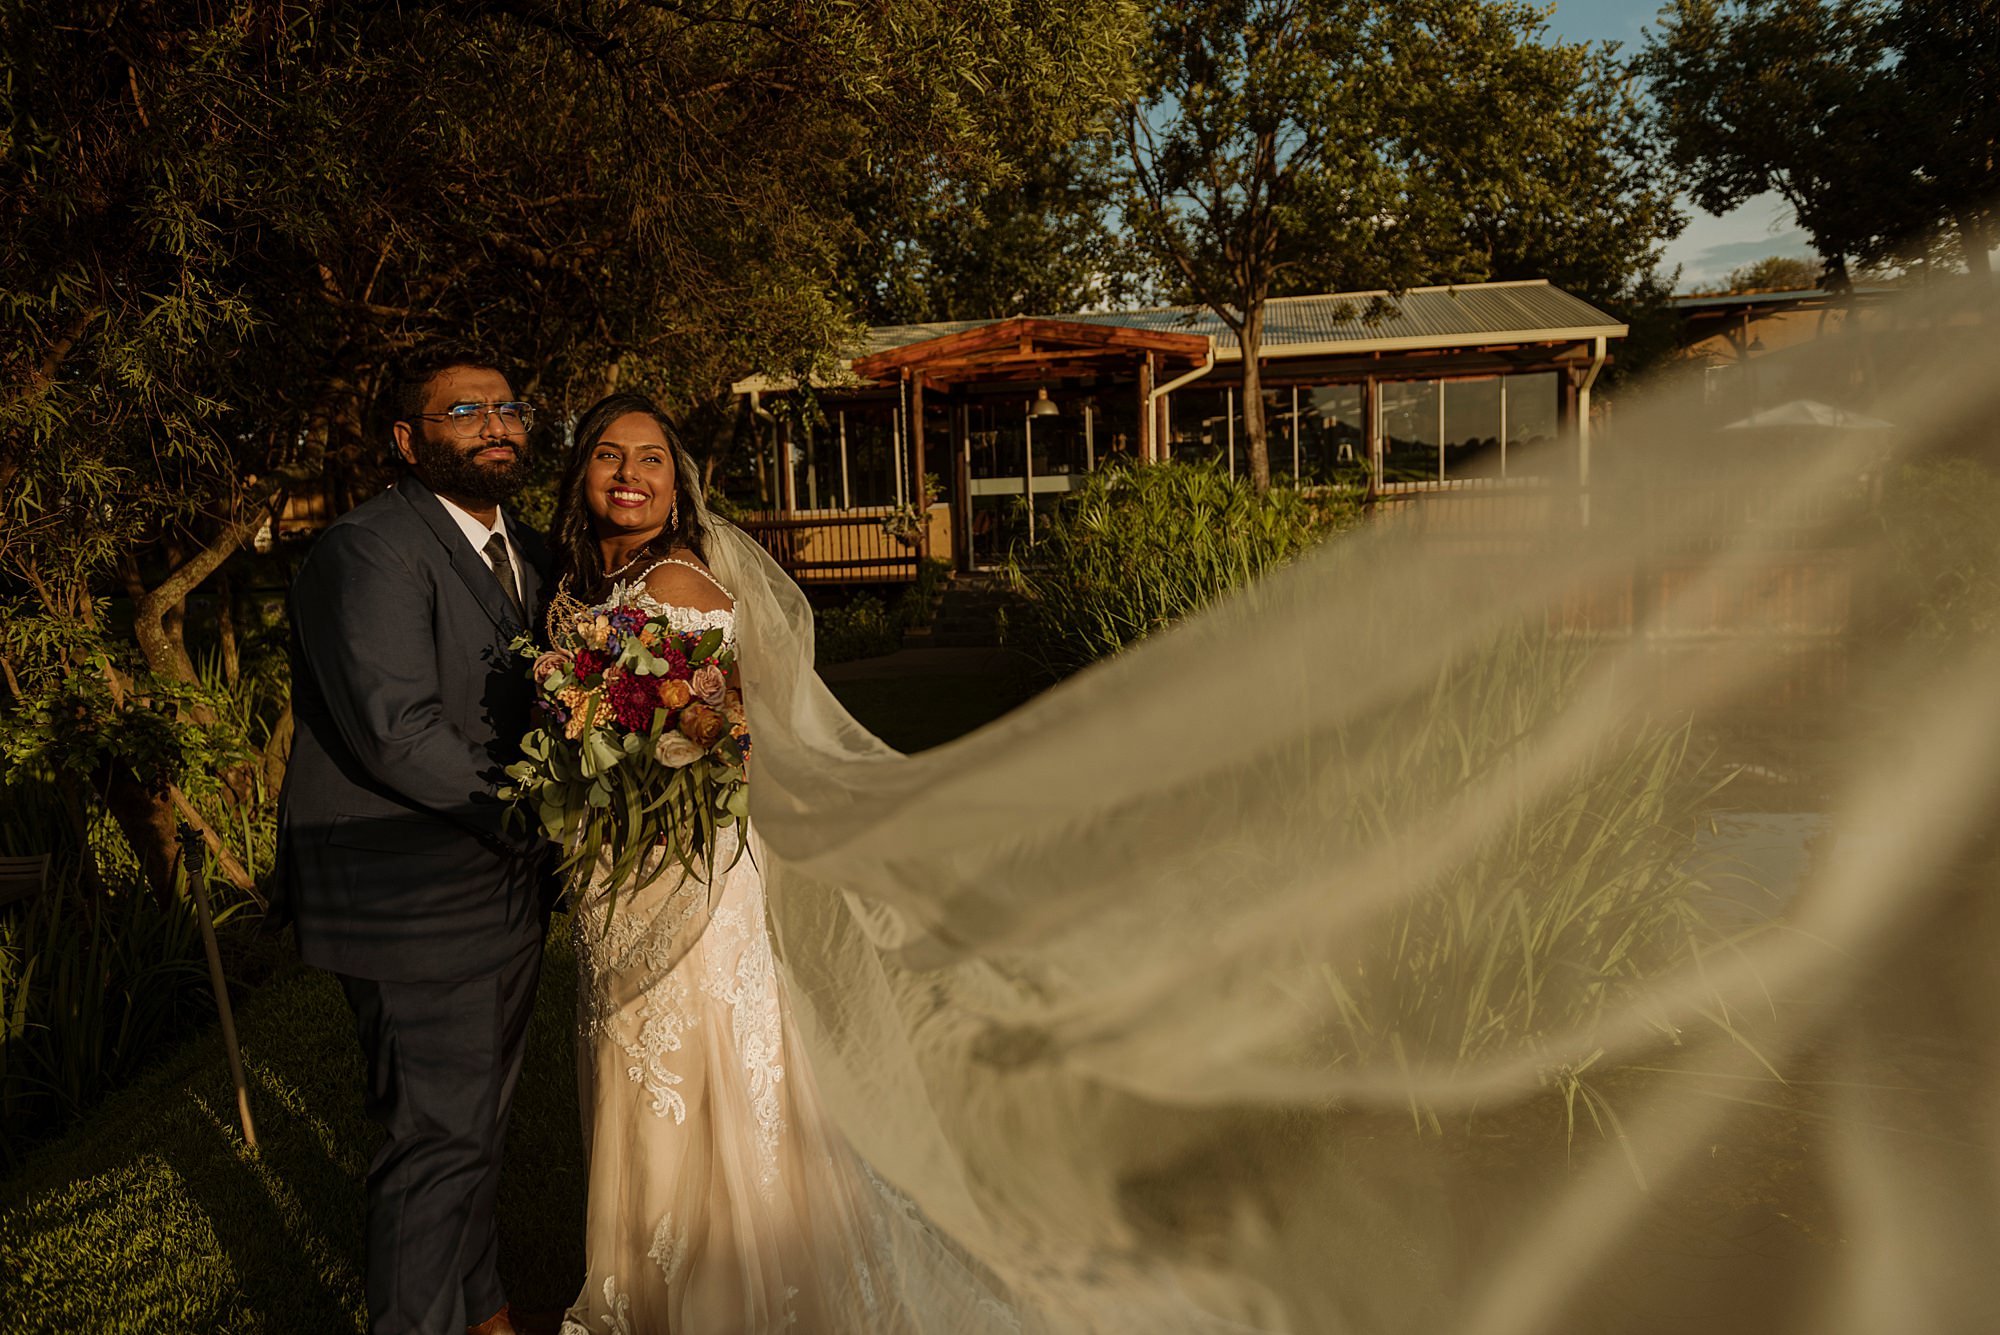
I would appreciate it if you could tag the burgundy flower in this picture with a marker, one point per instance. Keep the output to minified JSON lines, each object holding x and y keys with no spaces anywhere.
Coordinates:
{"x":590,"y":662}
{"x":677,"y":663}
{"x":633,"y":699}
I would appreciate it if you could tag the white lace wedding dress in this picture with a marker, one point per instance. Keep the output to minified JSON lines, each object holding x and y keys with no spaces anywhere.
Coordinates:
{"x":721,"y":1199}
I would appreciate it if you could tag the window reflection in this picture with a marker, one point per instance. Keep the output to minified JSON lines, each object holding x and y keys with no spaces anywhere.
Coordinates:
{"x":1410,"y":431}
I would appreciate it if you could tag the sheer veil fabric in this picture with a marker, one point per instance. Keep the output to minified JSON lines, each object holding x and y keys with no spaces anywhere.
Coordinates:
{"x":1584,"y":925}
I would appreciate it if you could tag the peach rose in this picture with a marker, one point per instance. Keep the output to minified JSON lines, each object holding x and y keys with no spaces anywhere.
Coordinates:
{"x":703,"y":726}
{"x":709,"y":684}
{"x":549,"y":663}
{"x":674,"y":694}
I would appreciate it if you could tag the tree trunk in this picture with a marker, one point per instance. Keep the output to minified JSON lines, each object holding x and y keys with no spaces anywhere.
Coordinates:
{"x":152,"y":608}
{"x":1977,"y":244}
{"x":278,"y":754}
{"x":145,"y":816}
{"x":1255,"y":433}
{"x":225,"y":630}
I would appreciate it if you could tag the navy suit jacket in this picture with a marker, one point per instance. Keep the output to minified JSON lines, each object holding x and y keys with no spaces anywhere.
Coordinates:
{"x":395,"y":861}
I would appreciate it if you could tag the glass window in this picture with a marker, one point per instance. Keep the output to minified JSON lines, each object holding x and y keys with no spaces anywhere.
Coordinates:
{"x":993,"y":428}
{"x":1532,"y":402}
{"x":1277,"y":432}
{"x":1331,"y":436}
{"x":816,"y":465}
{"x":871,"y":453}
{"x":1472,"y":428}
{"x":1198,"y":425}
{"x":1410,"y":431}
{"x":1115,"y":423}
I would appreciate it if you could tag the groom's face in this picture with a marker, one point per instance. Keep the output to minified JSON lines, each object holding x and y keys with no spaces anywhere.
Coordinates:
{"x":484,"y":465}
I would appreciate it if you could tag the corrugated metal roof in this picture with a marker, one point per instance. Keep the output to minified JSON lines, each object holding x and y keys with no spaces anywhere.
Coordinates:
{"x":1470,"y":314}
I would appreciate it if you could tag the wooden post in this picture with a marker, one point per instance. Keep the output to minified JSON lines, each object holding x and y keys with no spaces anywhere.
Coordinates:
{"x":194,"y":857}
{"x":917,"y":462}
{"x":1371,"y":431}
{"x":961,"y":509}
{"x":1146,"y":410}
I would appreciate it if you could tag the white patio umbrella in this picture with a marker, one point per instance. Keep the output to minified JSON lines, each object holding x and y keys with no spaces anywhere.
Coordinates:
{"x":1809,"y":413}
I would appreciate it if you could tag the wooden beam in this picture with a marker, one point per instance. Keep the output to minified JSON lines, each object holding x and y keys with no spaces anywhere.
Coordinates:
{"x":1146,"y":409}
{"x":917,"y":460}
{"x":1024,"y":335}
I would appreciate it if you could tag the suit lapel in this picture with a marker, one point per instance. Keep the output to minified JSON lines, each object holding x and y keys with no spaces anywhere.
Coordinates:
{"x":470,"y":566}
{"x":533,"y":557}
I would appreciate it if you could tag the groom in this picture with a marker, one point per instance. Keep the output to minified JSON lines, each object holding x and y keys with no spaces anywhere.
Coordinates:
{"x":395,"y":864}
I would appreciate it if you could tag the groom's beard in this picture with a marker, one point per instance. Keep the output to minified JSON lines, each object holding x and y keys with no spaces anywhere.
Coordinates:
{"x":452,"y":468}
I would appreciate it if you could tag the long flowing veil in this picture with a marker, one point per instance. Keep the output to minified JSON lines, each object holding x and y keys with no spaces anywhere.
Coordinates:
{"x":1578,"y":922}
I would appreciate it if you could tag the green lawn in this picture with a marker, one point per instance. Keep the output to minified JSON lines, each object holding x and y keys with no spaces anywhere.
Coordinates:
{"x":152,"y":1215}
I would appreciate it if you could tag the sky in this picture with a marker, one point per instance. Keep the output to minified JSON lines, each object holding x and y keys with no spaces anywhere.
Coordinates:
{"x":1710,"y":246}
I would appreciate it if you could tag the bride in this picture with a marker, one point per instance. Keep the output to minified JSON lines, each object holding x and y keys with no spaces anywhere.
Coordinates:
{"x":720,"y":1198}
{"x":1369,"y":952}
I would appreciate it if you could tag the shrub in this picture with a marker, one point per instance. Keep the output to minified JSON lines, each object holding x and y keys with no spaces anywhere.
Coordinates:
{"x":1137,"y":549}
{"x":864,"y":627}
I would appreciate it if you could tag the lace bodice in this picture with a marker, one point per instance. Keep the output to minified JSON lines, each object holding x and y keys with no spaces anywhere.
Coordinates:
{"x":633,"y":592}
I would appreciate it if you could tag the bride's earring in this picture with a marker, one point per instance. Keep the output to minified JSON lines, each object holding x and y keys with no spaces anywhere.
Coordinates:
{"x":674,"y":512}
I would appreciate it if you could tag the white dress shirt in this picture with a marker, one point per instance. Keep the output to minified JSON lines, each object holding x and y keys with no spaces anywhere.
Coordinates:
{"x":479,"y":534}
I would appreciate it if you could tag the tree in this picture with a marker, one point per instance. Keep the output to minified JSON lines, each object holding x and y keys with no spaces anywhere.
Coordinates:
{"x":1282,"y":146}
{"x":1878,"y":123}
{"x":1775,"y":273}
{"x":224,"y":222}
{"x":1042,"y":240}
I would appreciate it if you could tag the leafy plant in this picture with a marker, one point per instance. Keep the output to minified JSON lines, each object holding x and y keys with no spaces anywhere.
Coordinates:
{"x":1561,"y":913}
{"x":1136,"y":549}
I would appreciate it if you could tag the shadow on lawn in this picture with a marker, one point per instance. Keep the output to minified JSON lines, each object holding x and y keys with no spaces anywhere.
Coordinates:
{"x":153,"y":1215}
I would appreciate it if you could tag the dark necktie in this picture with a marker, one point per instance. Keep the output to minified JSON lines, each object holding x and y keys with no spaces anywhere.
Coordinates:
{"x":503,"y":569}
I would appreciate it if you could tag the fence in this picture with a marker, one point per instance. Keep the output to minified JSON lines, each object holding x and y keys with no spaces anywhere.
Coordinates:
{"x":848,"y":546}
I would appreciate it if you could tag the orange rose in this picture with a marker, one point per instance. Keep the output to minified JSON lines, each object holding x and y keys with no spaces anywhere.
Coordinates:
{"x":675,"y":694}
{"x":702,"y":725}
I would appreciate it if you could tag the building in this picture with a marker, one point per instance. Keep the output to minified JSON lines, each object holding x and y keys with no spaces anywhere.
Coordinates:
{"x":983,"y":424}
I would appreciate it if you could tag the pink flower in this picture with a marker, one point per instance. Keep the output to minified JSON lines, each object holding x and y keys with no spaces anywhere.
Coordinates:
{"x":550,"y":663}
{"x":710,"y":686}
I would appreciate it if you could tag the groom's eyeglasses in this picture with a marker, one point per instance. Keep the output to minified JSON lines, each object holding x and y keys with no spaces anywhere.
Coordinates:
{"x":469,"y":419}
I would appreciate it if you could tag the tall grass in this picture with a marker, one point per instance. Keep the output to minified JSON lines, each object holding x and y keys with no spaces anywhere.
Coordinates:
{"x":1136,"y":549}
{"x":90,"y":992}
{"x":1562,"y":912}
{"x":93,"y":987}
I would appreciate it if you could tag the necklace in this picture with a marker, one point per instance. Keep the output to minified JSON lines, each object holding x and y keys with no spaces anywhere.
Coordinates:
{"x":614,"y":574}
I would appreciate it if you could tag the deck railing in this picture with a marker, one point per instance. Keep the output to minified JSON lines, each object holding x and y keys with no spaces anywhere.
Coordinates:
{"x":838,"y":546}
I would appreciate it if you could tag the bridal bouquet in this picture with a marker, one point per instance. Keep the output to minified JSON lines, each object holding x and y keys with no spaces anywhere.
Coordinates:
{"x":640,"y":744}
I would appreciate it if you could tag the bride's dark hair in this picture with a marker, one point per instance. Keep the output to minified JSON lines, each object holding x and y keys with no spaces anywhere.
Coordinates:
{"x":579,"y":566}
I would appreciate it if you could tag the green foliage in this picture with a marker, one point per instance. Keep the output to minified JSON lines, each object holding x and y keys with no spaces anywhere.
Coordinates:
{"x":1137,"y":549}
{"x":1775,"y":273}
{"x":1554,"y":918}
{"x":154,"y":1216}
{"x":1044,"y":240}
{"x":224,"y":225}
{"x":1285,"y":146}
{"x":90,"y":991}
{"x":1944,"y":567}
{"x":858,"y":628}
{"x":1876,"y":122}
{"x":865,"y":627}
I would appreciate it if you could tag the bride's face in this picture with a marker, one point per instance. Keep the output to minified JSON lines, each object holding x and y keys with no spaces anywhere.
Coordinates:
{"x":628,"y":482}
